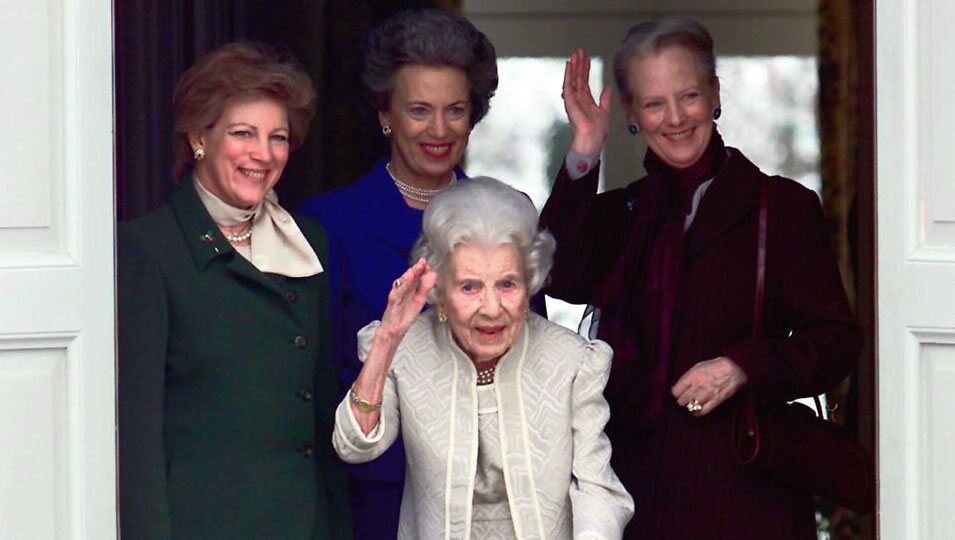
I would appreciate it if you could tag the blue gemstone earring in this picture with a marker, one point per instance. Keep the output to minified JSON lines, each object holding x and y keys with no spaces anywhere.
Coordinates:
{"x":633,"y":128}
{"x":717,"y":112}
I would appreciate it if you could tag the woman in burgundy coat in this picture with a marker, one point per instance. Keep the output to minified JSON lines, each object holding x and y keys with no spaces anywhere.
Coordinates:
{"x":669,"y":261}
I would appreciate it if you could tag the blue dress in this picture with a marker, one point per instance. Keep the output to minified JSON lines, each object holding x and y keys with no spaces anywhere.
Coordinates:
{"x":371,"y":231}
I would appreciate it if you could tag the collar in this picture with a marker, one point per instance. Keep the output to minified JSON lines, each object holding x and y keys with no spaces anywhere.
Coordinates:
{"x":392,"y":221}
{"x":511,"y":359}
{"x":732,"y":196}
{"x":203,"y":237}
{"x":277,"y":244}
{"x":220,"y":211}
{"x":706,"y":167}
{"x":689,"y":179}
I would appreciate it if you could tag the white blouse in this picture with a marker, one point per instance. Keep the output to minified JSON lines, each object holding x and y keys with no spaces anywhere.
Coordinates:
{"x":491,"y":517}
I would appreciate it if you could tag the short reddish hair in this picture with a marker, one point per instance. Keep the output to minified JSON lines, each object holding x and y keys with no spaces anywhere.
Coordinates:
{"x":239,"y":71}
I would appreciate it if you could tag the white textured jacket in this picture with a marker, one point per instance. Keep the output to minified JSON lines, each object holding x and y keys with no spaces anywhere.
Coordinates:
{"x":551,"y":411}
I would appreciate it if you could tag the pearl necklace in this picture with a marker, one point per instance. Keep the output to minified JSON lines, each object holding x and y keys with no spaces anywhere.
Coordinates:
{"x":239,"y":238}
{"x":486,"y":375}
{"x":420,"y":195}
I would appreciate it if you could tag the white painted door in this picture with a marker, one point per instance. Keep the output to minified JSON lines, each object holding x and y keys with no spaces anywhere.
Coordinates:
{"x":57,"y":405}
{"x":915,"y":73}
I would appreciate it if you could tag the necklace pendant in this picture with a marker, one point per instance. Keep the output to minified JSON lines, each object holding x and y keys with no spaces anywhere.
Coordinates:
{"x":485,"y":376}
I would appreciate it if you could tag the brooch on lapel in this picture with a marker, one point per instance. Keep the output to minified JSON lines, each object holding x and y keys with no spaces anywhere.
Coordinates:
{"x":631,"y":202}
{"x":207,"y":238}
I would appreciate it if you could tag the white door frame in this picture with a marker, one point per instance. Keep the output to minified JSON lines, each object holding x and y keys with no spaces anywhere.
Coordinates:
{"x":57,"y":315}
{"x":915,"y":111}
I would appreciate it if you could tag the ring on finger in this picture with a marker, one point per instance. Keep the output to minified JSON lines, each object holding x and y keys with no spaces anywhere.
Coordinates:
{"x":694,"y":406}
{"x":398,"y":283}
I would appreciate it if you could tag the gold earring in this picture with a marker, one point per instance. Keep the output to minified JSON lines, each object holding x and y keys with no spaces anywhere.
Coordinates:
{"x":442,"y":316}
{"x":199,"y":154}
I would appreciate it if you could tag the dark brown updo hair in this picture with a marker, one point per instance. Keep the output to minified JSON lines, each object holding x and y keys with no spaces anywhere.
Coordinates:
{"x":239,"y":71}
{"x":430,"y":37}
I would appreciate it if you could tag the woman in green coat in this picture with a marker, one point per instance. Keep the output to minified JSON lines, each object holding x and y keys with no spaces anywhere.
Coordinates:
{"x":226,"y":387}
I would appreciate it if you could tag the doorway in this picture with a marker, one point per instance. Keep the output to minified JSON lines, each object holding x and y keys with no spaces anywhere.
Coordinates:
{"x":344,"y":140}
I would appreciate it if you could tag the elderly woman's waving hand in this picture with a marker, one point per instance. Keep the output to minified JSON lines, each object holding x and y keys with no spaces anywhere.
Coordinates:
{"x":408,"y":295}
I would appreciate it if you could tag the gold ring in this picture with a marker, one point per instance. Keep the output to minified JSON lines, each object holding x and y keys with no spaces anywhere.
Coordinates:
{"x":694,"y":406}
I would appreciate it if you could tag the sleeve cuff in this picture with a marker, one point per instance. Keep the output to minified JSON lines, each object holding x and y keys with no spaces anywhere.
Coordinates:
{"x":763,"y":373}
{"x":578,"y":165}
{"x":349,"y":434}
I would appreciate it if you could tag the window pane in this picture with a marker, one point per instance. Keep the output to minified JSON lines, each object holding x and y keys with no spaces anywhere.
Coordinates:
{"x":524,"y":137}
{"x":769,"y":112}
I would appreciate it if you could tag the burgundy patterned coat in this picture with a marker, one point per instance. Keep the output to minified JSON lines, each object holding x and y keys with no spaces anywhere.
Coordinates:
{"x":680,"y":471}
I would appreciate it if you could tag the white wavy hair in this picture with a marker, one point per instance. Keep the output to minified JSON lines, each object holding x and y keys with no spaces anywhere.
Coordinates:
{"x":485,"y":212}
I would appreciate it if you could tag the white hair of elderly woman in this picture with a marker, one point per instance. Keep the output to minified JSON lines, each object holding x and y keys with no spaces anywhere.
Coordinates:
{"x":487,"y":212}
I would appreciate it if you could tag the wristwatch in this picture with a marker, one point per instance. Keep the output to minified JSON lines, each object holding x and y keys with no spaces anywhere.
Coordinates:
{"x":363,"y":405}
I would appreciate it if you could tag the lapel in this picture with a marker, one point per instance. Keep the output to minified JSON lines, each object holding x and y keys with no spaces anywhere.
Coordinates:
{"x":240,"y":266}
{"x":462,"y":433}
{"x":381,"y":210}
{"x":206,"y":241}
{"x":524,"y":502}
{"x":733,"y":195}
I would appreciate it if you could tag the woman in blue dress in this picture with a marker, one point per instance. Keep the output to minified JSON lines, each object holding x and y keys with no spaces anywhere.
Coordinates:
{"x":430,"y":75}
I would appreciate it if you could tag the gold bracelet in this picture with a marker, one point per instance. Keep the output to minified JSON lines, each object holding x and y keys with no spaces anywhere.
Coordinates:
{"x":363,"y":405}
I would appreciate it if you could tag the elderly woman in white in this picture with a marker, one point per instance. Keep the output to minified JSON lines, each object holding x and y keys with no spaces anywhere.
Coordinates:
{"x":502,"y":412}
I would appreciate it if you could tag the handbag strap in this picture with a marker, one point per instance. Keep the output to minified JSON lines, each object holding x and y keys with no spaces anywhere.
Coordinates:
{"x":760,"y":258}
{"x":748,"y":406}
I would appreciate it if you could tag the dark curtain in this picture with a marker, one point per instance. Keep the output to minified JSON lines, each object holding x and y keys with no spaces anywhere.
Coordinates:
{"x":353,"y":140}
{"x":299,"y":26}
{"x":156,"y":41}
{"x":846,"y":119}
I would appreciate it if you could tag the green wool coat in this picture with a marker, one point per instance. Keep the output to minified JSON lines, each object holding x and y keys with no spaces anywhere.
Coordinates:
{"x":227,"y":391}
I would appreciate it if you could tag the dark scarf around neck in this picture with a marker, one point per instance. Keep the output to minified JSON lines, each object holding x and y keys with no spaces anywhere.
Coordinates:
{"x":690,"y":178}
{"x":645,"y":285}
